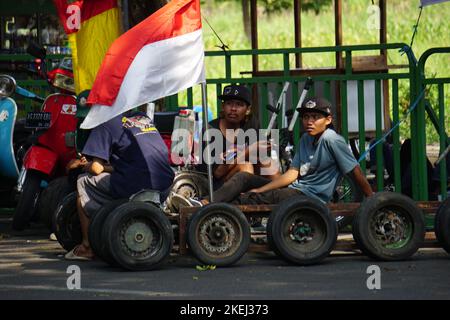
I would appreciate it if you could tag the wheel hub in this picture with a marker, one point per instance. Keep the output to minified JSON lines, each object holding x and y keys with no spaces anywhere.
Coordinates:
{"x":187,"y":191}
{"x":217,"y":234}
{"x":138,"y":238}
{"x":390,"y":227}
{"x":301,"y":231}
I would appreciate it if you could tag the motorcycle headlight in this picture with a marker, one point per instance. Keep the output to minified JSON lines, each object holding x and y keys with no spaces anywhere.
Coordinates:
{"x":64,"y":82}
{"x":7,"y":85}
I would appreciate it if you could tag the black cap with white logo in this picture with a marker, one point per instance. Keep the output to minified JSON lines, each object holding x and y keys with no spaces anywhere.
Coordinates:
{"x":316,"y":104}
{"x":238,"y":92}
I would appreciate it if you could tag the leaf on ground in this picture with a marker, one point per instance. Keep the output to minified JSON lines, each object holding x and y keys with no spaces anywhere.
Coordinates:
{"x":205,"y":268}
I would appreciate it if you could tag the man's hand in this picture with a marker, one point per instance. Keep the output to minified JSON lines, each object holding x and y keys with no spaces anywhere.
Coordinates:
{"x":76,"y":163}
{"x":259,"y":148}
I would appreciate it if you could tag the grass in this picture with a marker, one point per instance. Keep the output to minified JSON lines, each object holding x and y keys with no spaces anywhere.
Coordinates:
{"x":277,"y":31}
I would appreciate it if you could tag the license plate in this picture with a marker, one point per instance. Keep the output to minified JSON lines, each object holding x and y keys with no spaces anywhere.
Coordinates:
{"x":38,"y":120}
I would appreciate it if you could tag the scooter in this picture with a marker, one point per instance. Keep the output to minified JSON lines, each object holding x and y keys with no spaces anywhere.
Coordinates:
{"x":13,"y":136}
{"x":52,"y":129}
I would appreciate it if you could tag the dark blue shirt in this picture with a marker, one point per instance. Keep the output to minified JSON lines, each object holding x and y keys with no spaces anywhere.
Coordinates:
{"x":135,"y":149}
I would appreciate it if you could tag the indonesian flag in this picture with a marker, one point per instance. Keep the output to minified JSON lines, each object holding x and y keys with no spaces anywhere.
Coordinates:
{"x":159,"y":57}
{"x":91,"y":27}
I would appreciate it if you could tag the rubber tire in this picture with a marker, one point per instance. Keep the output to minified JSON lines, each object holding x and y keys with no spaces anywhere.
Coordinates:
{"x":231,"y":212}
{"x":67,"y":223}
{"x":28,"y":200}
{"x":356,"y":196}
{"x":96,"y":229}
{"x":50,"y":198}
{"x":442,"y":224}
{"x":362,"y":235}
{"x":111,"y":237}
{"x":275,"y":230}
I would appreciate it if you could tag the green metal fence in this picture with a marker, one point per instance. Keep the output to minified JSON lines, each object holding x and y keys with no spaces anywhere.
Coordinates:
{"x":441,"y":122}
{"x":347,"y":89}
{"x":338,"y":80}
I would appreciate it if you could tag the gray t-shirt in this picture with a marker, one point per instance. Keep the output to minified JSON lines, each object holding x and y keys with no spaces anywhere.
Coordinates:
{"x":322,"y":164}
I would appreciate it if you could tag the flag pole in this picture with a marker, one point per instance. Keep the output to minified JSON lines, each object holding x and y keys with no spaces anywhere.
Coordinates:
{"x":208,"y":154}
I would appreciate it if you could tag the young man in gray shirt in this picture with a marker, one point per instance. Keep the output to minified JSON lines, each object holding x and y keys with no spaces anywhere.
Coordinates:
{"x":322,"y":158}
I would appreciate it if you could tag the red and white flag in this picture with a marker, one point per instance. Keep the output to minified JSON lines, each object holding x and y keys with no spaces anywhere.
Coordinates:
{"x":160,"y":56}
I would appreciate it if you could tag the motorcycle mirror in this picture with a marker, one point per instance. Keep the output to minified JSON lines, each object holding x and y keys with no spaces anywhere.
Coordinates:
{"x":36,"y":50}
{"x":7,"y":85}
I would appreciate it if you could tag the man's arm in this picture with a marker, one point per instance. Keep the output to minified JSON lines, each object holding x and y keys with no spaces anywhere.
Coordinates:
{"x":97,"y":166}
{"x":282,"y":181}
{"x":361,"y":181}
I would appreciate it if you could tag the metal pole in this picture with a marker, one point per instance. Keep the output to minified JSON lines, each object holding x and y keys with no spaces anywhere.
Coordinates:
{"x":298,"y":31}
{"x":208,"y":155}
{"x":126,"y":21}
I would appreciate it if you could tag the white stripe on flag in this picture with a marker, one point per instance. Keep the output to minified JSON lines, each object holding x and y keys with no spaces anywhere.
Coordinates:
{"x":159,"y":69}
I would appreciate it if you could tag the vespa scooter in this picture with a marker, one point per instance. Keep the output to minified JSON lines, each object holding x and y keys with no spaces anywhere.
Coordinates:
{"x":49,"y":154}
{"x":13,"y":137}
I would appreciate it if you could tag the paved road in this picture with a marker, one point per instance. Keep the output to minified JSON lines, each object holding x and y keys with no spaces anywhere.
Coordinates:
{"x":32,"y":267}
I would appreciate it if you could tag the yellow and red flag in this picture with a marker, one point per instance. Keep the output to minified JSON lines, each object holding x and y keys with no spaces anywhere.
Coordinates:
{"x":91,"y":26}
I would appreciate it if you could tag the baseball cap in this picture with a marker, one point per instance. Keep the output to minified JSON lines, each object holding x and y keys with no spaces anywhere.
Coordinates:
{"x":316,"y":104}
{"x":238,"y":92}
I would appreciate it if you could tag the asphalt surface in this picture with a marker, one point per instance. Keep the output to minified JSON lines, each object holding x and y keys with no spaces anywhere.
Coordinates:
{"x":33,"y":267}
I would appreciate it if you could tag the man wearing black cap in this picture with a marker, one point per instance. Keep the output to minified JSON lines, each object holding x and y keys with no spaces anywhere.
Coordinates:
{"x":321,"y":159}
{"x":236,"y":111}
{"x":235,"y":172}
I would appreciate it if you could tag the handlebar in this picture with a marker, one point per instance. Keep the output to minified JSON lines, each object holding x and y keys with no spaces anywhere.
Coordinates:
{"x":308,"y":84}
{"x":277,"y":108}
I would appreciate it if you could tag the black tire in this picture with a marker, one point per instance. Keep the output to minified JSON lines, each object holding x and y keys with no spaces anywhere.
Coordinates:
{"x":231,"y":237}
{"x":315,"y":232}
{"x":442,"y":225}
{"x":138,"y":236}
{"x":28,"y":200}
{"x":376,"y":220}
{"x":347,"y":191}
{"x":96,"y":229}
{"x":67,"y":223}
{"x":50,"y":198}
